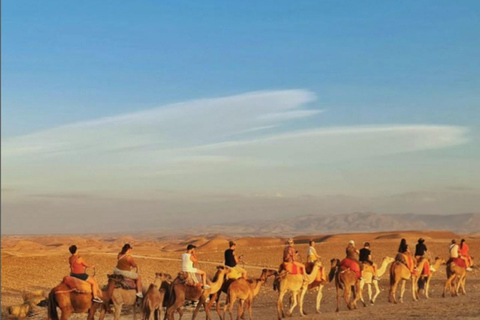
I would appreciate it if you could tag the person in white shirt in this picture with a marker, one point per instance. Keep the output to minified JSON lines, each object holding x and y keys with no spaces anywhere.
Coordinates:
{"x":312,"y":255}
{"x":188,"y":259}
{"x":453,"y":249}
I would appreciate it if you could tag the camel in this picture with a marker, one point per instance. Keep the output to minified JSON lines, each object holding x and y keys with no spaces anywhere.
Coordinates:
{"x":316,"y":284}
{"x":70,"y":301}
{"x":298,"y":285}
{"x":119,"y":297}
{"x":425,"y":281}
{"x":345,"y":279}
{"x":455,"y":273}
{"x":153,"y":300}
{"x":181,"y":292}
{"x":245,"y":291}
{"x":367,"y":279}
{"x":400,"y":272}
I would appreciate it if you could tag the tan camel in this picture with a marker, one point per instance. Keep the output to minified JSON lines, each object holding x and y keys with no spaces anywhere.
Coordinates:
{"x":425,"y":281}
{"x":400,"y":272}
{"x":181,"y":292}
{"x":316,"y":285}
{"x":345,"y":279}
{"x":70,"y":301}
{"x":245,"y":291}
{"x":298,"y":285}
{"x":119,"y":297}
{"x":367,"y":279}
{"x":456,"y":277}
{"x":153,"y":300}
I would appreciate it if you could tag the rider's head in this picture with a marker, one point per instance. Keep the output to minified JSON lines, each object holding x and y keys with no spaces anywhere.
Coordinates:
{"x":232,"y":245}
{"x":454,"y":241}
{"x":311,"y":243}
{"x":290,"y":242}
{"x":127,"y":247}
{"x":351,"y":242}
{"x":73,"y":249}
{"x":366,"y":244}
{"x":191,"y":247}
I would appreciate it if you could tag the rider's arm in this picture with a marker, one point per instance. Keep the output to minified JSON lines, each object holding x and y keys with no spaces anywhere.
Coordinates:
{"x":132,"y":263}
{"x":235,"y":257}
{"x":193,"y":257}
{"x":83,"y":263}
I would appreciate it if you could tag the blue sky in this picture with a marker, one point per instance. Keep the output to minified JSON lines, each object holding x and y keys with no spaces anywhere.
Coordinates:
{"x":376,"y":93}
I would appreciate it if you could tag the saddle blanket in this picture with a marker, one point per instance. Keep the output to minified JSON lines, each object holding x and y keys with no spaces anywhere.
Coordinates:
{"x":77,"y":284}
{"x":292,"y":268}
{"x":122,"y":282}
{"x":352,"y":265}
{"x":458,"y":261}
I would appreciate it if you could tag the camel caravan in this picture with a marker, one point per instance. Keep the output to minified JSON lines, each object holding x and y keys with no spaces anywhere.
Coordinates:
{"x":168,"y":296}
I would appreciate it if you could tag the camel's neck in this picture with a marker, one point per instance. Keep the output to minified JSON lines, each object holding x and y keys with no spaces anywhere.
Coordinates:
{"x":382,"y":268}
{"x":217,"y":285}
{"x":313,"y":275}
{"x":255,"y":285}
{"x":437,"y":264}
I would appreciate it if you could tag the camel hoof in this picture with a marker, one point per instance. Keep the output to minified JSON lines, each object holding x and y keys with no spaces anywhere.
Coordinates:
{"x":337,"y":310}
{"x":317,"y":311}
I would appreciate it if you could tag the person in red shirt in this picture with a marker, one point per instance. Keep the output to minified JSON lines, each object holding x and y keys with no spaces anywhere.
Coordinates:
{"x":463,"y":252}
{"x":77,"y":270}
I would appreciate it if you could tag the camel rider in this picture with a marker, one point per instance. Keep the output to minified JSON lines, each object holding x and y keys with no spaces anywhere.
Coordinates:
{"x":312,"y":255}
{"x":463,"y":252}
{"x":421,"y":252}
{"x":366,"y":258}
{"x":231,"y":260}
{"x":77,"y":270}
{"x":353,"y":254}
{"x":290,"y":255}
{"x":124,"y":267}
{"x":188,"y":259}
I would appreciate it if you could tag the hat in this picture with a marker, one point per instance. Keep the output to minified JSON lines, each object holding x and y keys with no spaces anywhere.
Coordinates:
{"x":191,"y":246}
{"x":351,"y":242}
{"x":290,"y":240}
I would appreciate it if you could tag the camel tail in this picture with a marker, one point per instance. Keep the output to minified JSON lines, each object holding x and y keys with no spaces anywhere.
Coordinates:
{"x":332,"y":272}
{"x":52,"y":306}
{"x":392,"y":275}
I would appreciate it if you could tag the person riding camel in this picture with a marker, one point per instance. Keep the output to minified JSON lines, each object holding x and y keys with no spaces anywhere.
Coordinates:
{"x":312,"y":255}
{"x":405,"y":256}
{"x":290,"y":256}
{"x":353,"y":254}
{"x":125,"y":264}
{"x":366,"y":258}
{"x":463,"y":252}
{"x":188,"y":259}
{"x":421,"y":252}
{"x":231,"y":260}
{"x":78,"y":267}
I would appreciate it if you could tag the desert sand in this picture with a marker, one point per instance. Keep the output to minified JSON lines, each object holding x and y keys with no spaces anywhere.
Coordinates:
{"x":40,"y":262}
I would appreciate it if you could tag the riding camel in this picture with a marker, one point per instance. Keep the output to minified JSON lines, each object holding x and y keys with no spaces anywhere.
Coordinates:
{"x":400,"y":272}
{"x":298,"y":285}
{"x":153,"y":300}
{"x":245,"y":291}
{"x":180,"y":292}
{"x":456,"y":277}
{"x":345,"y":279}
{"x":119,"y":297}
{"x":71,"y":300}
{"x":425,"y":281}
{"x":368,"y":279}
{"x":317,"y":284}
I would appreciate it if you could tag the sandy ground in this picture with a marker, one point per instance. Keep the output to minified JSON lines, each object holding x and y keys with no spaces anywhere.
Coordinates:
{"x":29,"y":267}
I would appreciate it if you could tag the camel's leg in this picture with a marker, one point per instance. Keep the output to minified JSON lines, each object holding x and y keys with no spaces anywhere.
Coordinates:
{"x":347,"y":296}
{"x":362,"y":284}
{"x":414,"y":289}
{"x":103,"y":310}
{"x":66,"y":313}
{"x":294,"y":303}
{"x":427,"y":286}
{"x":280,"y":312}
{"x":358,"y":295}
{"x":201,"y":302}
{"x":319,"y":298}
{"x":240,"y":309}
{"x":377,"y":291}
{"x":217,"y":304}
{"x":118,"y":311}
{"x":393,"y":292}
{"x":338,"y":298}
{"x":209,"y":305}
{"x":250,"y":302}
{"x":464,"y":280}
{"x":402,"y":290}
{"x":448,"y":285}
{"x":300,"y":302}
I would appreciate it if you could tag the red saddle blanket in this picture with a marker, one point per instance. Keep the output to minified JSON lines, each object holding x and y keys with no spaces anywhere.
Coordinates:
{"x":352,"y":265}
{"x":458,"y":261}
{"x":292,"y":268}
{"x":426,"y":269}
{"x":77,"y":284}
{"x":122,"y":282}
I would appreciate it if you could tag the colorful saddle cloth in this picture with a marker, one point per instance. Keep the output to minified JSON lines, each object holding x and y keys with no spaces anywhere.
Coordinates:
{"x":309,"y":268}
{"x":77,"y":284}
{"x":292,"y":268}
{"x":122,"y":282}
{"x":458,"y":261}
{"x":352,"y":265}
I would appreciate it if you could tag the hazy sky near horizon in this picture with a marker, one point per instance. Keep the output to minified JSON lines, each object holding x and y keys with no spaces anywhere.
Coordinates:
{"x":152,"y":115}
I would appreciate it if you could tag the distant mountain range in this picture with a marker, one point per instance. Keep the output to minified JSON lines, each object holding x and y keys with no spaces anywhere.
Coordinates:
{"x":345,"y":223}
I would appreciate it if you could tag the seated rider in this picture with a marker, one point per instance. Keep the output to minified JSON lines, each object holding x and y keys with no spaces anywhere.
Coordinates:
{"x":352,"y":254}
{"x":124,"y":267}
{"x":463,"y":252}
{"x":188,"y":259}
{"x":77,"y":270}
{"x":290,"y":256}
{"x":453,"y":249}
{"x":403,"y":251}
{"x":366,"y":257}
{"x":312,"y":255}
{"x":421,"y":252}
{"x":231,"y":259}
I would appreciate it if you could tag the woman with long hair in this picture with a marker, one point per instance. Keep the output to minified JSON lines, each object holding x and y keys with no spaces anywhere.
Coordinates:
{"x":463,"y":252}
{"x":125,"y":264}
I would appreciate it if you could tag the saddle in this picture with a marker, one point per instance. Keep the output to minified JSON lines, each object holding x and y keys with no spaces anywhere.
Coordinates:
{"x":233,"y":274}
{"x":291,"y":268}
{"x":188,"y":278}
{"x":349,"y":264}
{"x":122,"y":282}
{"x":309,"y":268}
{"x":77,"y":285}
{"x":458,"y":261}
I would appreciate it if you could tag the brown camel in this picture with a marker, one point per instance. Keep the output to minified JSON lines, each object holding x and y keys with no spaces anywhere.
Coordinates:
{"x":345,"y":279}
{"x":456,"y":277}
{"x":425,"y":281}
{"x":153,"y":300}
{"x":298,"y":285}
{"x":119,"y":297}
{"x":400,"y":272}
{"x":245,"y":291}
{"x":70,"y":301}
{"x":367,"y":279}
{"x":181,"y":292}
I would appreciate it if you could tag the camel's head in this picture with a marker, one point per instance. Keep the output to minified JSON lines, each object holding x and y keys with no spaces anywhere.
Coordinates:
{"x":160,"y":276}
{"x":388,"y":260}
{"x":334,"y":263}
{"x":442,"y":261}
{"x":267,"y":273}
